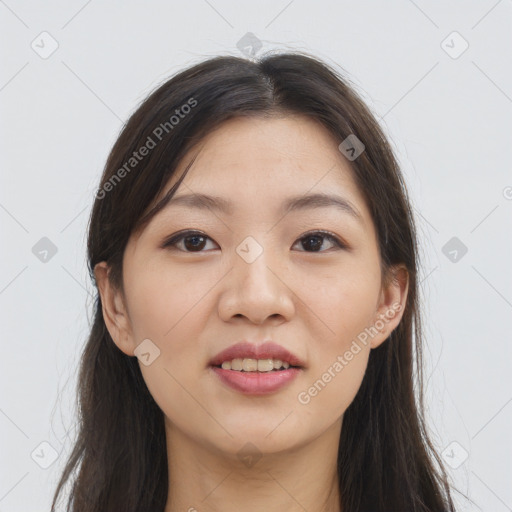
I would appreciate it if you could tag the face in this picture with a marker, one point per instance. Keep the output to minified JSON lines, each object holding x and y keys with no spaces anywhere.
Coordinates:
{"x":307,"y":278}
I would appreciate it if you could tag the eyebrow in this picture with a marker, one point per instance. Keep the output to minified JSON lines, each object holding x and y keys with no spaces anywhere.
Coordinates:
{"x":296,"y":203}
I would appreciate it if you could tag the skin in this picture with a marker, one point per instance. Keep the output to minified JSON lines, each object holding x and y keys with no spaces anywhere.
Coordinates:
{"x":314,"y":302}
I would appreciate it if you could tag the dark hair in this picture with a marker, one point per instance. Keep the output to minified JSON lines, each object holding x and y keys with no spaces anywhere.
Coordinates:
{"x":386,"y":461}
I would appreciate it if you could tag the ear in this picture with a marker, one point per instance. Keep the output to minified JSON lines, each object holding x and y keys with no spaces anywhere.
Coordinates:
{"x":115,"y":314}
{"x":391,"y":304}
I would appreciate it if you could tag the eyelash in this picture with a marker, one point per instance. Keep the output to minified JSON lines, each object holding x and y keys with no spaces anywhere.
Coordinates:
{"x":174,"y":239}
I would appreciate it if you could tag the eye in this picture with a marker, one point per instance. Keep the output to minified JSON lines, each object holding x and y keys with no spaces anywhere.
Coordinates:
{"x":315,"y":240}
{"x":193,"y":241}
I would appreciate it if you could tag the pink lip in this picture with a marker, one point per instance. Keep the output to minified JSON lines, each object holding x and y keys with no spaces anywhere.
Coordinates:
{"x":268,"y":350}
{"x":256,"y":383}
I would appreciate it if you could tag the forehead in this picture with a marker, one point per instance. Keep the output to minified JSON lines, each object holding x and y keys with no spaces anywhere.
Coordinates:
{"x":268,"y":158}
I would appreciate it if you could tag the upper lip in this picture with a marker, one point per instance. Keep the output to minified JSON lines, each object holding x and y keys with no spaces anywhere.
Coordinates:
{"x":246,"y":350}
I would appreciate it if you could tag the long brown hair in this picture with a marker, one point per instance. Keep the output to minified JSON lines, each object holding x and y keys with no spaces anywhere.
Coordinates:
{"x":386,"y":461}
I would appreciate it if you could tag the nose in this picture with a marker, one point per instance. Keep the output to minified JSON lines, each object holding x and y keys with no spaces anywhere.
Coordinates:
{"x":257,"y":291}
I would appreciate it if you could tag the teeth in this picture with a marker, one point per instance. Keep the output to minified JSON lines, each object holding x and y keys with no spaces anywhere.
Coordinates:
{"x":253,"y":365}
{"x":265,"y":365}
{"x":250,"y":365}
{"x":236,"y":364}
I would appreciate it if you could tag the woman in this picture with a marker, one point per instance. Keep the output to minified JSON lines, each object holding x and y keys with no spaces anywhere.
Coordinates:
{"x":255,"y":256}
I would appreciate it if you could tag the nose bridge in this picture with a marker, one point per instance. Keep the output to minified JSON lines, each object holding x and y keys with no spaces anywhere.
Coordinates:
{"x":254,"y":290}
{"x":252,"y":263}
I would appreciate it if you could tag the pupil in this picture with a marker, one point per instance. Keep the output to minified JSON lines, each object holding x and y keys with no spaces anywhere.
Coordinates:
{"x":314,"y":242}
{"x":318,"y":243}
{"x":194,"y":246}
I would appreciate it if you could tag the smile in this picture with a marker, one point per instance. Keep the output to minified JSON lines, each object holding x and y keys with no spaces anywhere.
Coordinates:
{"x":255,"y":365}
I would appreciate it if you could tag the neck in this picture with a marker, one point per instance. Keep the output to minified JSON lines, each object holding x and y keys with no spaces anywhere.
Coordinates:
{"x":202,"y":479}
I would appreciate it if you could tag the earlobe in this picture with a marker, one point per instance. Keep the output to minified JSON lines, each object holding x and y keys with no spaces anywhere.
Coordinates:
{"x":392,"y":304}
{"x":114,"y":310}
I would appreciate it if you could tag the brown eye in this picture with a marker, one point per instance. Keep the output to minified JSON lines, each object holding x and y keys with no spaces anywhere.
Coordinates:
{"x":188,"y":241}
{"x":195,"y":241}
{"x":313,"y":242}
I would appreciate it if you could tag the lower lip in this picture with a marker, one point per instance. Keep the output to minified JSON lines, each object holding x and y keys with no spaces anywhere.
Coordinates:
{"x":256,"y":383}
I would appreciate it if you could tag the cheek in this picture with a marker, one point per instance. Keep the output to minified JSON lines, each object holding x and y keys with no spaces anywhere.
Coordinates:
{"x":170,"y":308}
{"x":330,"y":390}
{"x":163,"y":302}
{"x":347,"y":303}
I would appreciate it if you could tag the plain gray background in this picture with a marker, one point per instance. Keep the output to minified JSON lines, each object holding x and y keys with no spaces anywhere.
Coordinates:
{"x":446,"y":108}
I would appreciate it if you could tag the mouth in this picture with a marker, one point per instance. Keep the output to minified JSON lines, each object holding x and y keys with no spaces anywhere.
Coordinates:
{"x":256,"y":369}
{"x":251,"y":365}
{"x":248,"y":357}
